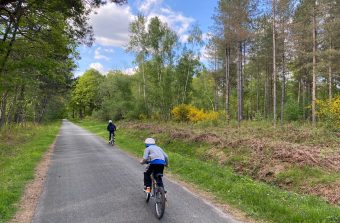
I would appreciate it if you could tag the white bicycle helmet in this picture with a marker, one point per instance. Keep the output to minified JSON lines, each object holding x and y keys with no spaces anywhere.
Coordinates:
{"x":150,"y":141}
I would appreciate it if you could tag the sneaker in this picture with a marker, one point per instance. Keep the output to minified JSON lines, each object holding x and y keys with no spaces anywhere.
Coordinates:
{"x":147,"y":190}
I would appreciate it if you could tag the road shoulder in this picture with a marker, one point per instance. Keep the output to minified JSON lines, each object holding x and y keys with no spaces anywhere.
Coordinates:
{"x":33,"y":190}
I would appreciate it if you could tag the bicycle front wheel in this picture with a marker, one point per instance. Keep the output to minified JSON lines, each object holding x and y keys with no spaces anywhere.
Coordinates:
{"x":160,"y":202}
{"x":147,"y":197}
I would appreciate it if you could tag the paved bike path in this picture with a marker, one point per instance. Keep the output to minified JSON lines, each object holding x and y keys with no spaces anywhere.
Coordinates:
{"x":90,"y":181}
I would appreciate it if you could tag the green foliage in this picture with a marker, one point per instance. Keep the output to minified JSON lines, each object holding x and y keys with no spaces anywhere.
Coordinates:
{"x":85,"y":95}
{"x":36,"y":64}
{"x":116,"y":95}
{"x":293,"y":110}
{"x":258,"y":116}
{"x":162,"y":81}
{"x":203,"y":91}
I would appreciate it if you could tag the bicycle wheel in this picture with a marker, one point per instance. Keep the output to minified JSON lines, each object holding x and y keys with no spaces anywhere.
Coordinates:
{"x":160,"y":202}
{"x":112,"y":139}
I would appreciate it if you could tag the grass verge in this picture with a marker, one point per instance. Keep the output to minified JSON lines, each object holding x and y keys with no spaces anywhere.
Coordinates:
{"x":257,"y":199}
{"x":21,"y":148}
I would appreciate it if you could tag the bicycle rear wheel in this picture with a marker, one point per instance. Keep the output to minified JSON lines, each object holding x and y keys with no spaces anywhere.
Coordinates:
{"x":112,"y":139}
{"x":160,"y":202}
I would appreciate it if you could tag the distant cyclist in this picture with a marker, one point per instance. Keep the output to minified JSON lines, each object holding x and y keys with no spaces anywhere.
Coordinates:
{"x":111,"y":128}
{"x":157,"y":158}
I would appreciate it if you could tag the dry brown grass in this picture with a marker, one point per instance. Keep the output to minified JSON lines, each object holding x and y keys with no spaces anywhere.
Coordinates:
{"x":263,"y":152}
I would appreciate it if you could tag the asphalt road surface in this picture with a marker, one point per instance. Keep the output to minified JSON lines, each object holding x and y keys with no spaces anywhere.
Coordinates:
{"x":91,"y":181}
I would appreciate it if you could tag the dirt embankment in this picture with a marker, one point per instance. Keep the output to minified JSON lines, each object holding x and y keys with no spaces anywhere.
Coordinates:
{"x":263,"y":157}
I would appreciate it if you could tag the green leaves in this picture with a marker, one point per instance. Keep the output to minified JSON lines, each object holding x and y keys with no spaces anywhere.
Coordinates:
{"x":85,"y":95}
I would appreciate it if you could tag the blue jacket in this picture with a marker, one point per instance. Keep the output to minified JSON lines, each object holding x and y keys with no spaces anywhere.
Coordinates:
{"x":111,"y":127}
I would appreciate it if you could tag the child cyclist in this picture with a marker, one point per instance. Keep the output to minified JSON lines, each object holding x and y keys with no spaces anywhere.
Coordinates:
{"x":111,"y":128}
{"x":157,"y":159}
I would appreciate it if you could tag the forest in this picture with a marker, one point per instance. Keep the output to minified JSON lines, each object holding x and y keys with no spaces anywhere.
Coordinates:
{"x":261,"y":60}
{"x":273,"y":61}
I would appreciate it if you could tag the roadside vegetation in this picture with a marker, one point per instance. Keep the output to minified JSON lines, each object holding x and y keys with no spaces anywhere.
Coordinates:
{"x":21,"y":148}
{"x":239,"y":174}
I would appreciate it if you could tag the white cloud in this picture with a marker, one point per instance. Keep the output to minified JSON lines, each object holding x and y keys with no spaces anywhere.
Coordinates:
{"x":130,"y":71}
{"x":111,"y":24}
{"x":99,"y":67}
{"x":109,"y":50}
{"x":99,"y":56}
{"x":184,"y":38}
{"x":146,"y":5}
{"x":206,"y":36}
{"x":78,"y":73}
{"x":204,"y":55}
{"x":175,"y":20}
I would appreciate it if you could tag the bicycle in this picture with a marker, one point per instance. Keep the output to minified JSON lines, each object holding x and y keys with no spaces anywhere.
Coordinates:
{"x":112,"y":141}
{"x":158,"y":194}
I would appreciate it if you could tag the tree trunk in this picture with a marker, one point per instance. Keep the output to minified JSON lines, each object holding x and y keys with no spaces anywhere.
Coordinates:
{"x":227,"y":84}
{"x":266,"y":94}
{"x":3,"y":108}
{"x":299,"y":92}
{"x":10,"y":46}
{"x":330,"y":82}
{"x":257,"y":88}
{"x":304,"y":90}
{"x":80,"y":113}
{"x":239,"y":83}
{"x":18,"y":117}
{"x":283,"y":88}
{"x":8,"y":28}
{"x":243,"y":59}
{"x":314,"y":66}
{"x":185,"y":87}
{"x":216,"y":84}
{"x":11,"y":110}
{"x":42,"y":109}
{"x":216,"y":95}
{"x":330,"y":71}
{"x":144,"y":86}
{"x":274,"y":65}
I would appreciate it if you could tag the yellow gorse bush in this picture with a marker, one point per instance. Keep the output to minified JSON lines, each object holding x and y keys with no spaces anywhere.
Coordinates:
{"x":190,"y":113}
{"x":329,"y":111}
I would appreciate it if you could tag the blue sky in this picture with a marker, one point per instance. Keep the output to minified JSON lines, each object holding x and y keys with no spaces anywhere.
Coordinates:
{"x":110,"y":24}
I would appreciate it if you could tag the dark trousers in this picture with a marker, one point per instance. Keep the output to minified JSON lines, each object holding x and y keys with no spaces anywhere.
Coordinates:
{"x":113,"y":133}
{"x":153,"y":168}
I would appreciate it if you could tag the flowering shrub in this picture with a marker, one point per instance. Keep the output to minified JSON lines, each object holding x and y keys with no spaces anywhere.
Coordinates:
{"x":185,"y":112}
{"x":329,"y":111}
{"x":181,"y":112}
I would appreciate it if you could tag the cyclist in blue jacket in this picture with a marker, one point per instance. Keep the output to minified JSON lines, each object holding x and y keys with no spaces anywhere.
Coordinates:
{"x":157,"y":159}
{"x":111,"y":128}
